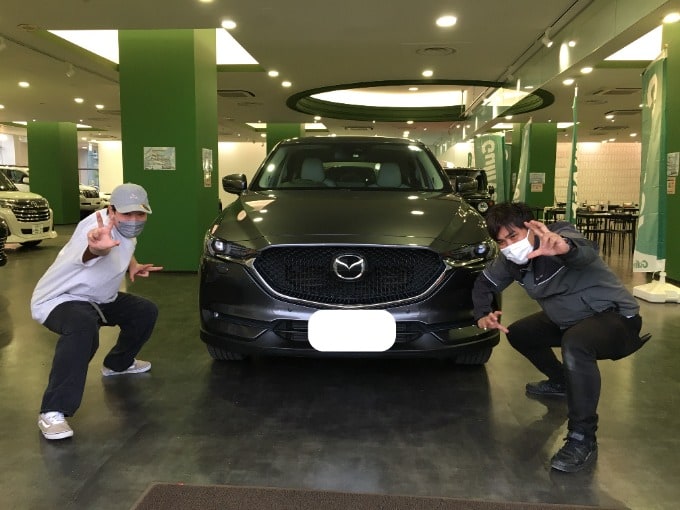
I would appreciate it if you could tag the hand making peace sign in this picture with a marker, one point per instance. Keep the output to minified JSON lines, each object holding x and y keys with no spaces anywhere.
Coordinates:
{"x":99,"y":240}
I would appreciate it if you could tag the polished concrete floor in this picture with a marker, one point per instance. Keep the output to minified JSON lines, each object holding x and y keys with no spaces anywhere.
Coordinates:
{"x":398,"y":427}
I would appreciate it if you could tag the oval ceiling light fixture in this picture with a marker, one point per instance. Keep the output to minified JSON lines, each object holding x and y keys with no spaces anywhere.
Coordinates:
{"x":427,"y":73}
{"x":568,"y":81}
{"x":390,"y":101}
{"x":273,"y":73}
{"x":586,"y":70}
{"x":286,"y":84}
{"x":99,"y":106}
{"x":446,"y":21}
{"x":672,"y":17}
{"x":228,"y":24}
{"x":24,"y":84}
{"x":79,"y":100}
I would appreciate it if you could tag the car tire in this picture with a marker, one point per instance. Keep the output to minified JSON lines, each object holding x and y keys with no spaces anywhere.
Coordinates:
{"x":31,"y":244}
{"x":474,"y":357}
{"x":220,"y":354}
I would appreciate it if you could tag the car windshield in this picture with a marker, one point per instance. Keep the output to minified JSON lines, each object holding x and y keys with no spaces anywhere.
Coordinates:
{"x":351,"y":164}
{"x":6,"y":184}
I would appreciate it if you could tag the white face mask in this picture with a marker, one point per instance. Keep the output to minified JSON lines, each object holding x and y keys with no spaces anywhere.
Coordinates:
{"x":517,"y":252}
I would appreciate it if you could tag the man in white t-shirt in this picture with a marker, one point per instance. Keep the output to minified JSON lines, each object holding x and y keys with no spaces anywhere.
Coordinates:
{"x":79,"y":293}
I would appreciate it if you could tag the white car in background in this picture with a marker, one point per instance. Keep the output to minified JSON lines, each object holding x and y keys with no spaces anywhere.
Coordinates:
{"x":89,"y":195}
{"x":27,"y":215}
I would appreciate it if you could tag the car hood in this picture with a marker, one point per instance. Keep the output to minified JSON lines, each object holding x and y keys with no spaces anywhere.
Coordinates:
{"x":340,"y":216}
{"x":20,"y":195}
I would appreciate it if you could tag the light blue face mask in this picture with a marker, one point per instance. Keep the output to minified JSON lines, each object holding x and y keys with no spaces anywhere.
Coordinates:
{"x":130,"y":229}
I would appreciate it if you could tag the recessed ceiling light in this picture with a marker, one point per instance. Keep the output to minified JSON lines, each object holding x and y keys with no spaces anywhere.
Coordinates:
{"x":586,"y":70}
{"x":79,"y":100}
{"x":568,"y":81}
{"x":99,"y":106}
{"x":612,"y":139}
{"x":228,"y":24}
{"x":24,"y":84}
{"x":508,"y":117}
{"x":609,"y":116}
{"x":2,"y":106}
{"x":409,"y":122}
{"x":633,"y":135}
{"x":446,"y":21}
{"x":571,"y":44}
{"x":427,"y":73}
{"x":413,"y":89}
{"x":273,"y":73}
{"x":286,"y":83}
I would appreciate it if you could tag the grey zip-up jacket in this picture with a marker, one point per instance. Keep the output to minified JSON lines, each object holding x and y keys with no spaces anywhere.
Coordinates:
{"x":569,"y":287}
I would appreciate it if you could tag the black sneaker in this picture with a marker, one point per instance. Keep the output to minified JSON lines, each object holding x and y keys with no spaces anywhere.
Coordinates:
{"x":577,"y":453}
{"x":547,"y":388}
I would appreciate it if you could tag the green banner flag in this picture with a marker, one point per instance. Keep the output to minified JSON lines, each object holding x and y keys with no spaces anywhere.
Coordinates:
{"x":650,"y":245}
{"x":572,"y":187}
{"x":489,"y":155}
{"x":520,"y":192}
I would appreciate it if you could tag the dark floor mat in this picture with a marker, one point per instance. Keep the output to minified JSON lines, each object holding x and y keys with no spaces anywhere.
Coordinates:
{"x":223,"y":497}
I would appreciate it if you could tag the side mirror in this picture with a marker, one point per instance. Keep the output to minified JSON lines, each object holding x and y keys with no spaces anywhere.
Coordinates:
{"x":234,"y":183}
{"x":492,"y":190}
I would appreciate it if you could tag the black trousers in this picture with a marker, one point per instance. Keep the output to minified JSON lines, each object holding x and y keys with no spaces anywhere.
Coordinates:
{"x":607,"y":335}
{"x":78,"y":323}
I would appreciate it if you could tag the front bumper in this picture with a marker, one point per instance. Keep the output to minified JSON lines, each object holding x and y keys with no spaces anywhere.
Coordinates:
{"x":239,"y":315}
{"x":23,"y":232}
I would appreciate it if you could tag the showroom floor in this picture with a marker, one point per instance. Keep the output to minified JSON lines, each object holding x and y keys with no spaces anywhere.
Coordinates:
{"x":421,"y":427}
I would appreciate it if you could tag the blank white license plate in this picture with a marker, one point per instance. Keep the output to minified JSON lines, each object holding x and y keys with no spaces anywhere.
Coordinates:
{"x":351,"y":330}
{"x":37,"y":229}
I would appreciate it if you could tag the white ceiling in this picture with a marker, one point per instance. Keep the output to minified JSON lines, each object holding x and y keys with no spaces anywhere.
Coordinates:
{"x":314,"y":44}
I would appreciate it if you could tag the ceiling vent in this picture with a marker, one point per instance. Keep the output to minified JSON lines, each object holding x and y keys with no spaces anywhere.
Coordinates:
{"x":624,"y":113}
{"x":358,"y":128}
{"x":609,"y":128}
{"x":617,"y":92}
{"x":234,"y":93}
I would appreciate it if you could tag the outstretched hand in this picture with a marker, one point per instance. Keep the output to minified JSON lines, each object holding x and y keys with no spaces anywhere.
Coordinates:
{"x":99,"y":240}
{"x":550,"y":243}
{"x":143,"y":270}
{"x":492,"y":321}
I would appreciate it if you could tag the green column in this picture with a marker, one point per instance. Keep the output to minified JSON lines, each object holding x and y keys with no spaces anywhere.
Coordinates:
{"x":542,"y":156}
{"x":53,"y":164}
{"x":277,"y":132}
{"x":168,"y":99}
{"x":671,"y":39}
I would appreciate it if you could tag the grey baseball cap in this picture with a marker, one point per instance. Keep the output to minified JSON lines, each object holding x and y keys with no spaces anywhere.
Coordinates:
{"x":130,"y":197}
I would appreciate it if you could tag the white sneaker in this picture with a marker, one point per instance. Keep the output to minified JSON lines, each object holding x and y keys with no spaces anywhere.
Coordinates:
{"x":137,"y":367}
{"x":53,"y":425}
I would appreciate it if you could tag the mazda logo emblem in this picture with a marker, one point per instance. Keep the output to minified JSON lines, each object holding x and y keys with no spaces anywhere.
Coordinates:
{"x":349,"y":266}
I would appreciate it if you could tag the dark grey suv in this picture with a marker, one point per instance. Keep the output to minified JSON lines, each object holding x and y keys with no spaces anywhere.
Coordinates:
{"x":356,"y":231}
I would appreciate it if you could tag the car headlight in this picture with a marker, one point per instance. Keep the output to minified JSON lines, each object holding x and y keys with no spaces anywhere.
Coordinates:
{"x":470,"y":254}
{"x":483,"y":206}
{"x":228,"y":250}
{"x":7,"y":203}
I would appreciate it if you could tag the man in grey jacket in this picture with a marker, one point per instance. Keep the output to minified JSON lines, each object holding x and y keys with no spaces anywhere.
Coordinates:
{"x":586,"y":311}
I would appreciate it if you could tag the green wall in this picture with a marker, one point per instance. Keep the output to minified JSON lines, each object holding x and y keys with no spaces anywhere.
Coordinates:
{"x":53,"y":164}
{"x":277,"y":132}
{"x":168,"y":97}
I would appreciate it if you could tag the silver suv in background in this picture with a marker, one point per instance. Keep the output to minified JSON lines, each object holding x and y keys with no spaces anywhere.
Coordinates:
{"x":89,"y":195}
{"x":28,"y":215}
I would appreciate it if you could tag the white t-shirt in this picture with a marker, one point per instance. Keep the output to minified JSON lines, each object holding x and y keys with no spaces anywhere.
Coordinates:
{"x":70,"y":279}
